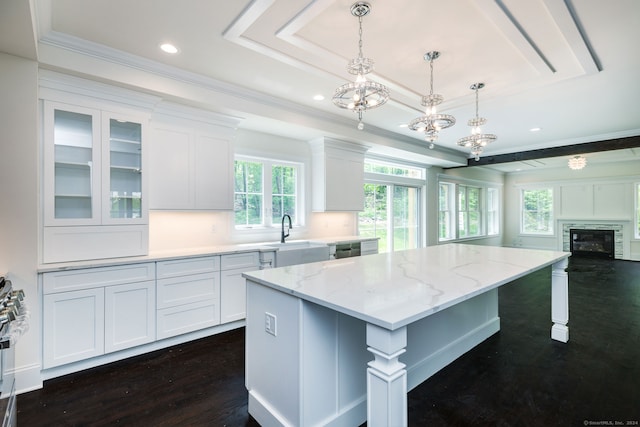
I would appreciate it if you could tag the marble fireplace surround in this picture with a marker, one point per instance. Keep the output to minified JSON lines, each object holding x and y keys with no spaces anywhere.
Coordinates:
{"x":620,"y":228}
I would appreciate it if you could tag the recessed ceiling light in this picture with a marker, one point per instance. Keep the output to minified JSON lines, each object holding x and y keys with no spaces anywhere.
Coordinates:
{"x":168,"y":48}
{"x":403,"y":125}
{"x":535,"y":129}
{"x":318,"y":97}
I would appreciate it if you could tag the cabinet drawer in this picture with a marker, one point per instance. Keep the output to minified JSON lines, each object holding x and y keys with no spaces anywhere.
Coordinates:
{"x":187,"y":318}
{"x":182,"y":267}
{"x":69,"y":280}
{"x":243,"y":260}
{"x":188,"y":289}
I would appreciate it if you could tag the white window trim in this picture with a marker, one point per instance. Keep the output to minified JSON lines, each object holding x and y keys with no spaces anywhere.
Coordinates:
{"x":554,"y":197}
{"x":483,"y":185}
{"x":267,"y":211}
{"x":418,"y":183}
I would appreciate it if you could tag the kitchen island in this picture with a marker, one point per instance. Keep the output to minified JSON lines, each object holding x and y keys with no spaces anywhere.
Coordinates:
{"x":341,"y":342}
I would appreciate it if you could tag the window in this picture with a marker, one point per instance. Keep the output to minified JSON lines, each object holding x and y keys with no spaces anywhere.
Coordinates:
{"x":447,"y":207}
{"x":392,"y":205}
{"x":537,"y":211}
{"x":493,"y":212}
{"x":637,"y":227}
{"x":265,"y":190}
{"x":467,"y":210}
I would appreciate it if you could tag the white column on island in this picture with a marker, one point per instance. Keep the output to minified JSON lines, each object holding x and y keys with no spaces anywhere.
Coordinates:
{"x":386,"y":377}
{"x":560,"y":301}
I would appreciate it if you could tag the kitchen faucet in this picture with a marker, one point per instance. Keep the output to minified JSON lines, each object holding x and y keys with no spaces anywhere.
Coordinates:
{"x":282,"y":235}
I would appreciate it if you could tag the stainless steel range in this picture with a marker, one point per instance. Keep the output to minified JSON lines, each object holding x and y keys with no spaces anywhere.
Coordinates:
{"x":14,"y":321}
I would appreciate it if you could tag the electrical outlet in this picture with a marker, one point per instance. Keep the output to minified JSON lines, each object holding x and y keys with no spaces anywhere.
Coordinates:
{"x":270,"y":325}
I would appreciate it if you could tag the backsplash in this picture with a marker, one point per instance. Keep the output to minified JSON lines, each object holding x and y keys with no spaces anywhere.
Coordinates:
{"x":170,"y":230}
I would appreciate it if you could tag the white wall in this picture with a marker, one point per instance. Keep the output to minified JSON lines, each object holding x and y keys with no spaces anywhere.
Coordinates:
{"x":19,"y":177}
{"x":598,"y":192}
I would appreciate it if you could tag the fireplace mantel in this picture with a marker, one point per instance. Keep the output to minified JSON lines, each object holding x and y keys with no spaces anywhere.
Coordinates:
{"x":619,"y":226}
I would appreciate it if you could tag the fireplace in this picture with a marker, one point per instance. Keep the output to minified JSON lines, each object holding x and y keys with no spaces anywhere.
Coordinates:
{"x":597,"y":243}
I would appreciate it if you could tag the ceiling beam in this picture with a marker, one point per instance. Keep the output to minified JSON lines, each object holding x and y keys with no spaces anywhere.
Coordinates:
{"x":565,"y":150}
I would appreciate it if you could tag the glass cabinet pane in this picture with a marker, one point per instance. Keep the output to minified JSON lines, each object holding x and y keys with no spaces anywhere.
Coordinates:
{"x":125,"y":152}
{"x":73,"y":151}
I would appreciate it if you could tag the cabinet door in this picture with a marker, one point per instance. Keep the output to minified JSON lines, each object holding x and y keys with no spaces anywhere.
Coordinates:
{"x":130,"y":315}
{"x":213,"y":173}
{"x":344,"y":184}
{"x":123,"y":163}
{"x":171,"y":155}
{"x":233,"y":295}
{"x":73,"y":326}
{"x":191,"y":169}
{"x":72,"y":167}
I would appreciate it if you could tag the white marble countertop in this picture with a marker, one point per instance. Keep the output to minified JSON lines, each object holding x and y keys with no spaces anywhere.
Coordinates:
{"x":392,"y":290}
{"x":187,"y":253}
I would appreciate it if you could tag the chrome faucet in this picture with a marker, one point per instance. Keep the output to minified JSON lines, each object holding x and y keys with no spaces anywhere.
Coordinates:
{"x":282,"y":235}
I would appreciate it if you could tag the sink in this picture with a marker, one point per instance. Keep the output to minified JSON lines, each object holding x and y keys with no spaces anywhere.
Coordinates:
{"x":299,"y":252}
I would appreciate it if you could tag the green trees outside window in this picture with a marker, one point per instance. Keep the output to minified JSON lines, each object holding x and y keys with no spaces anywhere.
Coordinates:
{"x":391,"y":214}
{"x":283,"y":187}
{"x":264,"y":191}
{"x":248,"y":193}
{"x":537,"y":211}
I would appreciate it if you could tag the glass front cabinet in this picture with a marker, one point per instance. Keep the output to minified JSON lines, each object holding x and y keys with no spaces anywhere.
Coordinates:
{"x":93,"y":178}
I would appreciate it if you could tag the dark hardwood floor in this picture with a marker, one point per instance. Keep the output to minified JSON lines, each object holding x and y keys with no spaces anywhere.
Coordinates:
{"x":518,"y":377}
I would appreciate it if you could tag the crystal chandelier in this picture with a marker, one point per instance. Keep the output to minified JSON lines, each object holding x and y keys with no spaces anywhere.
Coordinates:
{"x":431,"y":122}
{"x":477,"y":140}
{"x":362,"y":94}
{"x":577,"y":162}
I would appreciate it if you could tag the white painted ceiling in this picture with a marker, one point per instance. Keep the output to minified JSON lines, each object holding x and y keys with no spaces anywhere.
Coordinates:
{"x":569,"y":67}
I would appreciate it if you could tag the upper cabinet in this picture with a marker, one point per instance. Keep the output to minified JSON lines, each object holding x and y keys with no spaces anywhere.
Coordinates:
{"x":191,"y":159}
{"x":95,"y":199}
{"x":337,"y":175}
{"x":93,"y":166}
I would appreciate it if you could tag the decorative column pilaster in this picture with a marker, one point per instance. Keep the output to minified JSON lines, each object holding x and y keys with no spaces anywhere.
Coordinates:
{"x":386,"y":378}
{"x":560,"y":301}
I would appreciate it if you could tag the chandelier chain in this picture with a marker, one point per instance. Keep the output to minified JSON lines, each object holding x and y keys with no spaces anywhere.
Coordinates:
{"x":431,"y":77}
{"x":360,"y":55}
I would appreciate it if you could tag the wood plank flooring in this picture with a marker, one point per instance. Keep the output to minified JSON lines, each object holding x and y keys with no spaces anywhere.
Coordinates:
{"x":518,"y":377}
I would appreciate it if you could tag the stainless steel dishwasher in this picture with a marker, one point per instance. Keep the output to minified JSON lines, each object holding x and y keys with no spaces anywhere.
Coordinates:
{"x":346,"y":250}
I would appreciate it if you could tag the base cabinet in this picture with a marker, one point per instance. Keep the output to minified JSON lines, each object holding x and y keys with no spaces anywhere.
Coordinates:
{"x":232,"y":285}
{"x":188,"y":295}
{"x":129,"y":316}
{"x":94,"y":311}
{"x":73,"y":326}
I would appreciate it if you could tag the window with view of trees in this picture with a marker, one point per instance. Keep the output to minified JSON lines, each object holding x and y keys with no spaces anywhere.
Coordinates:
{"x":469,"y":216}
{"x":537,"y":211}
{"x":493,"y":211}
{"x":392,"y":205}
{"x":446,"y":207}
{"x":467,"y":211}
{"x":265,"y":190}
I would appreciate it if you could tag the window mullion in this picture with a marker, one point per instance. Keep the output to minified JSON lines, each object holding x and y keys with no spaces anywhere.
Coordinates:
{"x":267,"y":195}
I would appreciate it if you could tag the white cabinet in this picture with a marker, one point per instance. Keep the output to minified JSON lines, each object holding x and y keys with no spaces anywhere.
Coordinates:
{"x":94,"y":162}
{"x":233,"y":305}
{"x":188,"y":295}
{"x":191,"y":160}
{"x":73,"y":326}
{"x":129,"y":315}
{"x":369,"y":247}
{"x":337,"y":175}
{"x":90,"y":312}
